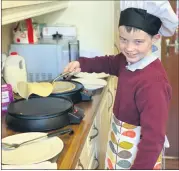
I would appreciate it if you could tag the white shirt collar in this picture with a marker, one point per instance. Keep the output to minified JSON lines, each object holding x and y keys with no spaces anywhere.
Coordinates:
{"x":142,"y":63}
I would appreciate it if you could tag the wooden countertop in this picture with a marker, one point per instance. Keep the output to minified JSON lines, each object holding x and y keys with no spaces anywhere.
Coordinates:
{"x":73,"y":144}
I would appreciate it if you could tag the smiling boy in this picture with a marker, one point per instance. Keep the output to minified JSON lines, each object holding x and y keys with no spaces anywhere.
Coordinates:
{"x":140,"y":113}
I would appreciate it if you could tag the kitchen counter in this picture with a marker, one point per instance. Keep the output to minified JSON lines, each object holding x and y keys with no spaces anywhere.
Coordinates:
{"x":72,"y":144}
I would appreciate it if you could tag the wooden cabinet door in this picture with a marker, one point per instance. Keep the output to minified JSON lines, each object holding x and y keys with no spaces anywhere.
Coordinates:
{"x":89,"y":151}
{"x":170,"y":56}
{"x":102,"y":123}
{"x":94,"y":162}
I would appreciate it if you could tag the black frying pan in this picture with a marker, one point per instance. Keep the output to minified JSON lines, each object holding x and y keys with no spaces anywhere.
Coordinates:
{"x":41,"y":114}
{"x":76,"y":95}
{"x":78,"y":87}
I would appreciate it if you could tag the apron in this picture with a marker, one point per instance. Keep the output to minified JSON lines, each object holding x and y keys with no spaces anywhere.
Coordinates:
{"x":122,"y":144}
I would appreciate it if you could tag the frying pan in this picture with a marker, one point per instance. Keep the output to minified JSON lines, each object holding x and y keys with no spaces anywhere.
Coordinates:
{"x":76,"y":95}
{"x":78,"y":87}
{"x":42,"y":114}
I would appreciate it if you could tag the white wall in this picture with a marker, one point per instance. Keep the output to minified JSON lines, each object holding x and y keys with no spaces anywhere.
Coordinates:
{"x":94,"y":21}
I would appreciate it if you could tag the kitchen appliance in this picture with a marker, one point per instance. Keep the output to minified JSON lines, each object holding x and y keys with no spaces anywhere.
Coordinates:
{"x":78,"y":94}
{"x":42,"y":114}
{"x":47,"y":59}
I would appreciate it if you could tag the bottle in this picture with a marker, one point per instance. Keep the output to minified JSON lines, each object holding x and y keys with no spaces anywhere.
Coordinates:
{"x":7,"y":97}
{"x":15,"y":70}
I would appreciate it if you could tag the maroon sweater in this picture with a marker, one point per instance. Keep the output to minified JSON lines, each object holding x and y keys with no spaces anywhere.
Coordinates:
{"x":142,"y":99}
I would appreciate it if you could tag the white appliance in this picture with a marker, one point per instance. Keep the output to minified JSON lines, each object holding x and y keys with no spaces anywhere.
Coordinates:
{"x":48,"y":58}
{"x":45,"y":61}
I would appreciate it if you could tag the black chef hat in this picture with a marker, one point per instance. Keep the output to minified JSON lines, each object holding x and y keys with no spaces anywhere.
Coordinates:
{"x":153,"y":17}
{"x":140,"y":19}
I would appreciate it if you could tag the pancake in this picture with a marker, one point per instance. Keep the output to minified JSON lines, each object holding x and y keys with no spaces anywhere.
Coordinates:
{"x":43,"y":89}
{"x":62,"y":86}
{"x":25,"y":89}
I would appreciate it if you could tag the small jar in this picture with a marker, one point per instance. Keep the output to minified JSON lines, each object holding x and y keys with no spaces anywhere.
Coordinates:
{"x":7,"y":97}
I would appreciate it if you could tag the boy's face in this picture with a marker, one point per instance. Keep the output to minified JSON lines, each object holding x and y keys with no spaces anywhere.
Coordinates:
{"x":135,"y":45}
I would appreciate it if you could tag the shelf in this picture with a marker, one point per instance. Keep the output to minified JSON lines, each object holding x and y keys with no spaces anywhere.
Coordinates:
{"x":11,"y":15}
{"x":13,"y":4}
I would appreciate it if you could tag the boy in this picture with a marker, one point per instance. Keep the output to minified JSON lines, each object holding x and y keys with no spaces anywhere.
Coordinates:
{"x":138,"y":125}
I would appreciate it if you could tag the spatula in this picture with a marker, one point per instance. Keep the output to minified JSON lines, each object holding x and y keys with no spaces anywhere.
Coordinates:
{"x":64,"y":74}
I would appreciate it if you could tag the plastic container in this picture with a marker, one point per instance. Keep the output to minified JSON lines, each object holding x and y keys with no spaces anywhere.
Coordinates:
{"x":15,"y":70}
{"x":25,"y":34}
{"x":7,"y":96}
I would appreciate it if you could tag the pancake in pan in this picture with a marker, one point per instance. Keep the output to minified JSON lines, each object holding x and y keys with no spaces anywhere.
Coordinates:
{"x":63,"y":86}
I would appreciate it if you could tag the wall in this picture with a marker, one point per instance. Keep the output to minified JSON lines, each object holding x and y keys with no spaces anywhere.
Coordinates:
{"x":94,"y":21}
{"x":6,"y":37}
{"x":116,"y":22}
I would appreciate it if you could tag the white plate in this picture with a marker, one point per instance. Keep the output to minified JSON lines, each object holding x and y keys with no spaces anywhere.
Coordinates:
{"x":36,"y":152}
{"x":91,"y":84}
{"x":91,"y":75}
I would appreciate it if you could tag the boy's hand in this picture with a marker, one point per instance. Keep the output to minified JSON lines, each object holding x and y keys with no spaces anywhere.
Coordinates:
{"x":73,"y":66}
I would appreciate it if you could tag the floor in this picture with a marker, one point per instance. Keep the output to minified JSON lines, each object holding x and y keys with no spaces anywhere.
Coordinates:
{"x":172,"y":164}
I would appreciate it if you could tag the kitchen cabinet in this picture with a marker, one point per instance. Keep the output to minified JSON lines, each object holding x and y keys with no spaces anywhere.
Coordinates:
{"x":13,"y":4}
{"x":103,"y":126}
{"x":104,"y":120}
{"x":13,"y":11}
{"x":94,"y":162}
{"x":88,"y":157}
{"x":94,"y":150}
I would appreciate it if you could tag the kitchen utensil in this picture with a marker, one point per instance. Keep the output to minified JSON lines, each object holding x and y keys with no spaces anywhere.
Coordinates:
{"x":78,"y":94}
{"x":42,"y":114}
{"x":44,"y":89}
{"x":64,"y":74}
{"x":32,"y":153}
{"x":51,"y":134}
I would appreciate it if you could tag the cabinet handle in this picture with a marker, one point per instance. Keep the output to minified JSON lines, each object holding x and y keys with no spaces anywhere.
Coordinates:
{"x":95,"y":158}
{"x":111,"y":100}
{"x":80,"y":164}
{"x":93,"y":136}
{"x":111,"y":103}
{"x":168,"y":45}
